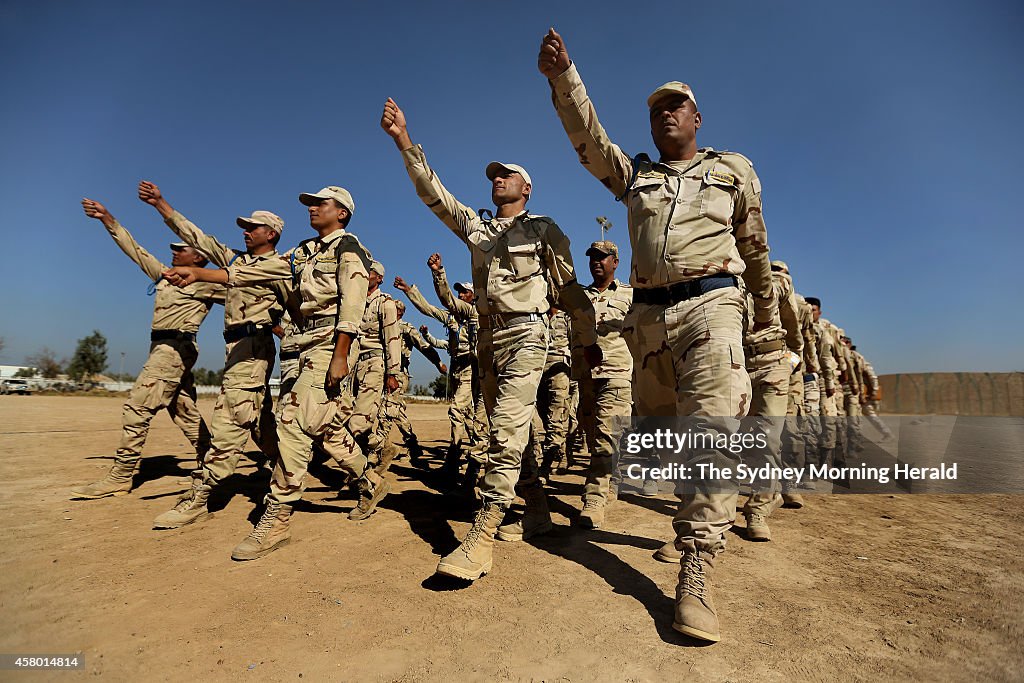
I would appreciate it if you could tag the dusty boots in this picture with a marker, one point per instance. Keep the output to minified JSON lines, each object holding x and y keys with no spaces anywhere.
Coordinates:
{"x":536,"y":521}
{"x":117,"y":482}
{"x":387,"y":456}
{"x":472,"y":559}
{"x":668,"y":553}
{"x":372,"y":489}
{"x":695,"y":611}
{"x":757,"y":527}
{"x":592,"y":516}
{"x":191,"y":508}
{"x":272,"y":532}
{"x":791,"y":499}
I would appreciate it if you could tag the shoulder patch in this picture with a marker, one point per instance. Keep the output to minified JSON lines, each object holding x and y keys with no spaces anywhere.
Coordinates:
{"x":726,"y":152}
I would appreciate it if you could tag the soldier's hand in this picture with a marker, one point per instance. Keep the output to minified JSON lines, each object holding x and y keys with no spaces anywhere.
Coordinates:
{"x":593,"y":355}
{"x":401,"y":285}
{"x":336,"y":371}
{"x":553,"y":59}
{"x":424,"y":329}
{"x":435,"y":262}
{"x":96,"y":210}
{"x":149,"y":193}
{"x":443,"y":368}
{"x":391,"y":383}
{"x":393,"y":123}
{"x":180,"y":276}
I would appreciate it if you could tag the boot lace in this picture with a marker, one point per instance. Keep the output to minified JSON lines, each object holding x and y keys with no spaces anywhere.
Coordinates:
{"x":591,"y":504}
{"x":185,"y":501}
{"x":473,"y":537}
{"x":266,"y":521}
{"x":693,"y":576}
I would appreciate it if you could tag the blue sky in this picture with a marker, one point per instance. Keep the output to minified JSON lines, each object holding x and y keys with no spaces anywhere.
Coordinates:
{"x":886,"y":136}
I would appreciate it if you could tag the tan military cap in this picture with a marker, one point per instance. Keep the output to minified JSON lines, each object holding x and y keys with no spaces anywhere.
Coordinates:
{"x":671,"y":88}
{"x":604,"y":247}
{"x":780,"y":265}
{"x":378,"y":268}
{"x":265,"y":218}
{"x":178,"y":246}
{"x":495,"y":166}
{"x":400,"y":305}
{"x":338,"y":194}
{"x":463,"y":287}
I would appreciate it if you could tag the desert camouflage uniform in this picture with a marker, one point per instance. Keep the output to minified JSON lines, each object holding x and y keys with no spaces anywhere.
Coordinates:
{"x":689,"y":220}
{"x":289,"y":355}
{"x":851,"y":394}
{"x":808,"y":407}
{"x":872,"y":394}
{"x":515,"y":264}
{"x":251,"y":310}
{"x":393,"y":408}
{"x":550,"y":422}
{"x":793,"y":446}
{"x":605,"y":392}
{"x":330,"y":276}
{"x":165,"y":382}
{"x":380,"y":354}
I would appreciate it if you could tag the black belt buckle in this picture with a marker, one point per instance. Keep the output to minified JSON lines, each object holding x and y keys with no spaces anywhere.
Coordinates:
{"x":242,"y":331}
{"x":170,"y":335}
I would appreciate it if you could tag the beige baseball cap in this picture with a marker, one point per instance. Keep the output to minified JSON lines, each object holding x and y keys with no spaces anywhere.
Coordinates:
{"x":604,"y":247}
{"x":338,"y":194}
{"x":265,"y":218}
{"x":495,"y":166}
{"x":178,"y":246}
{"x":671,"y":88}
{"x":463,"y":287}
{"x":780,"y":265}
{"x":378,"y":268}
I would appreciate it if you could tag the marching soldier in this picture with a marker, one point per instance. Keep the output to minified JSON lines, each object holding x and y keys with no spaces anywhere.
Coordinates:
{"x":165,"y":382}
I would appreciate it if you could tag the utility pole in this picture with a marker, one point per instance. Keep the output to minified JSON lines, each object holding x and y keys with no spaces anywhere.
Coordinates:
{"x":120,"y":373}
{"x":605,"y":224}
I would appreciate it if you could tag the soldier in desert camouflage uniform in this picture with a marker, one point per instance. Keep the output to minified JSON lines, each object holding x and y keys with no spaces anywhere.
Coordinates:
{"x":165,"y":382}
{"x":695,"y":225}
{"x":250,"y":314}
{"x":550,"y":423}
{"x":872,"y":394}
{"x":521,"y":264}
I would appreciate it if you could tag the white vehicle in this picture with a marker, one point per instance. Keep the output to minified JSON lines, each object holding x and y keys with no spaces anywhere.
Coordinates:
{"x":15,"y":386}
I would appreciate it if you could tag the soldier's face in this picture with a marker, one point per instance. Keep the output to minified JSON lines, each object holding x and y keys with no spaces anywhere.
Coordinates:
{"x":257,"y":236}
{"x":186,"y":256}
{"x":375,"y":279}
{"x":508,"y":187}
{"x":466,"y":295}
{"x":401,"y":312}
{"x":602,"y":266}
{"x":816,"y":312}
{"x":326,"y":214}
{"x":674,"y":122}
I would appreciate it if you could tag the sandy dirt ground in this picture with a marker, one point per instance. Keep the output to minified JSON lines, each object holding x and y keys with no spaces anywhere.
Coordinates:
{"x":861,"y":587}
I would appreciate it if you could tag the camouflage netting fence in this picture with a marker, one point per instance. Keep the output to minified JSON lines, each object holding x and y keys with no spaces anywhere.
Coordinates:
{"x":954,"y":393}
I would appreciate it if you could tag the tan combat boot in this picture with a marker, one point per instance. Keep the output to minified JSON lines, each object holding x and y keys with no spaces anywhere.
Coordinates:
{"x":757,"y":527}
{"x":117,"y":482}
{"x":473,"y":558}
{"x":668,"y":553}
{"x":695,"y":611}
{"x":372,"y":489}
{"x":535,"y":522}
{"x":272,"y":532}
{"x":387,"y":456}
{"x":592,"y":516}
{"x":792,"y":501}
{"x":191,"y":508}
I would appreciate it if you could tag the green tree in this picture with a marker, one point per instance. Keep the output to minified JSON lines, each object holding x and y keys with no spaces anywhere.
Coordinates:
{"x":45,"y":362}
{"x":90,"y":357}
{"x":439,"y":387}
{"x":420,"y":390}
{"x":206,"y":377}
{"x":25,"y":372}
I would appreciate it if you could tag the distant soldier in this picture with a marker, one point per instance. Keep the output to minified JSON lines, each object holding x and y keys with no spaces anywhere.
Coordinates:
{"x":606,"y":396}
{"x":165,"y":382}
{"x":377,"y":369}
{"x":326,"y":277}
{"x":851,"y":392}
{"x":872,"y":395}
{"x":828,"y":384}
{"x":551,"y":419}
{"x":393,"y":408}
{"x":521,"y":263}
{"x":250,"y":314}
{"x":695,"y":226}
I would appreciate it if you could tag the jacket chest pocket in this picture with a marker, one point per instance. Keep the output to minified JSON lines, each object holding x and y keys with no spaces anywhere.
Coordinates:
{"x":524,"y":259}
{"x":648,"y":196}
{"x":718,"y":189}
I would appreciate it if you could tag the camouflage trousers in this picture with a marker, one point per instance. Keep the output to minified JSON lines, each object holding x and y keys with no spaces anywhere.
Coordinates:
{"x":688,"y":361}
{"x":870,"y":409}
{"x":511,"y":364}
{"x":165,"y":383}
{"x":827,"y":436}
{"x":243,"y":409}
{"x":467,"y":412}
{"x":794,"y":436}
{"x":605,"y":406}
{"x":550,"y":423}
{"x":289,"y":373}
{"x":369,"y":392}
{"x":307,"y":415}
{"x":393,"y":412}
{"x":769,"y":384}
{"x":851,"y":401}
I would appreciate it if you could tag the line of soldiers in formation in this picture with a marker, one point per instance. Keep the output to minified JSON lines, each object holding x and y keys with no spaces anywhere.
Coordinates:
{"x":707,"y":326}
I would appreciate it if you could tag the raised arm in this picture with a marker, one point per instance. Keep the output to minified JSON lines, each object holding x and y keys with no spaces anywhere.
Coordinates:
{"x":598,"y":154}
{"x":218,"y":252}
{"x":434,"y":341}
{"x":417,"y":299}
{"x":149,"y":263}
{"x":427,"y":349}
{"x":457,"y":216}
{"x":457,"y":306}
{"x":572,"y":298}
